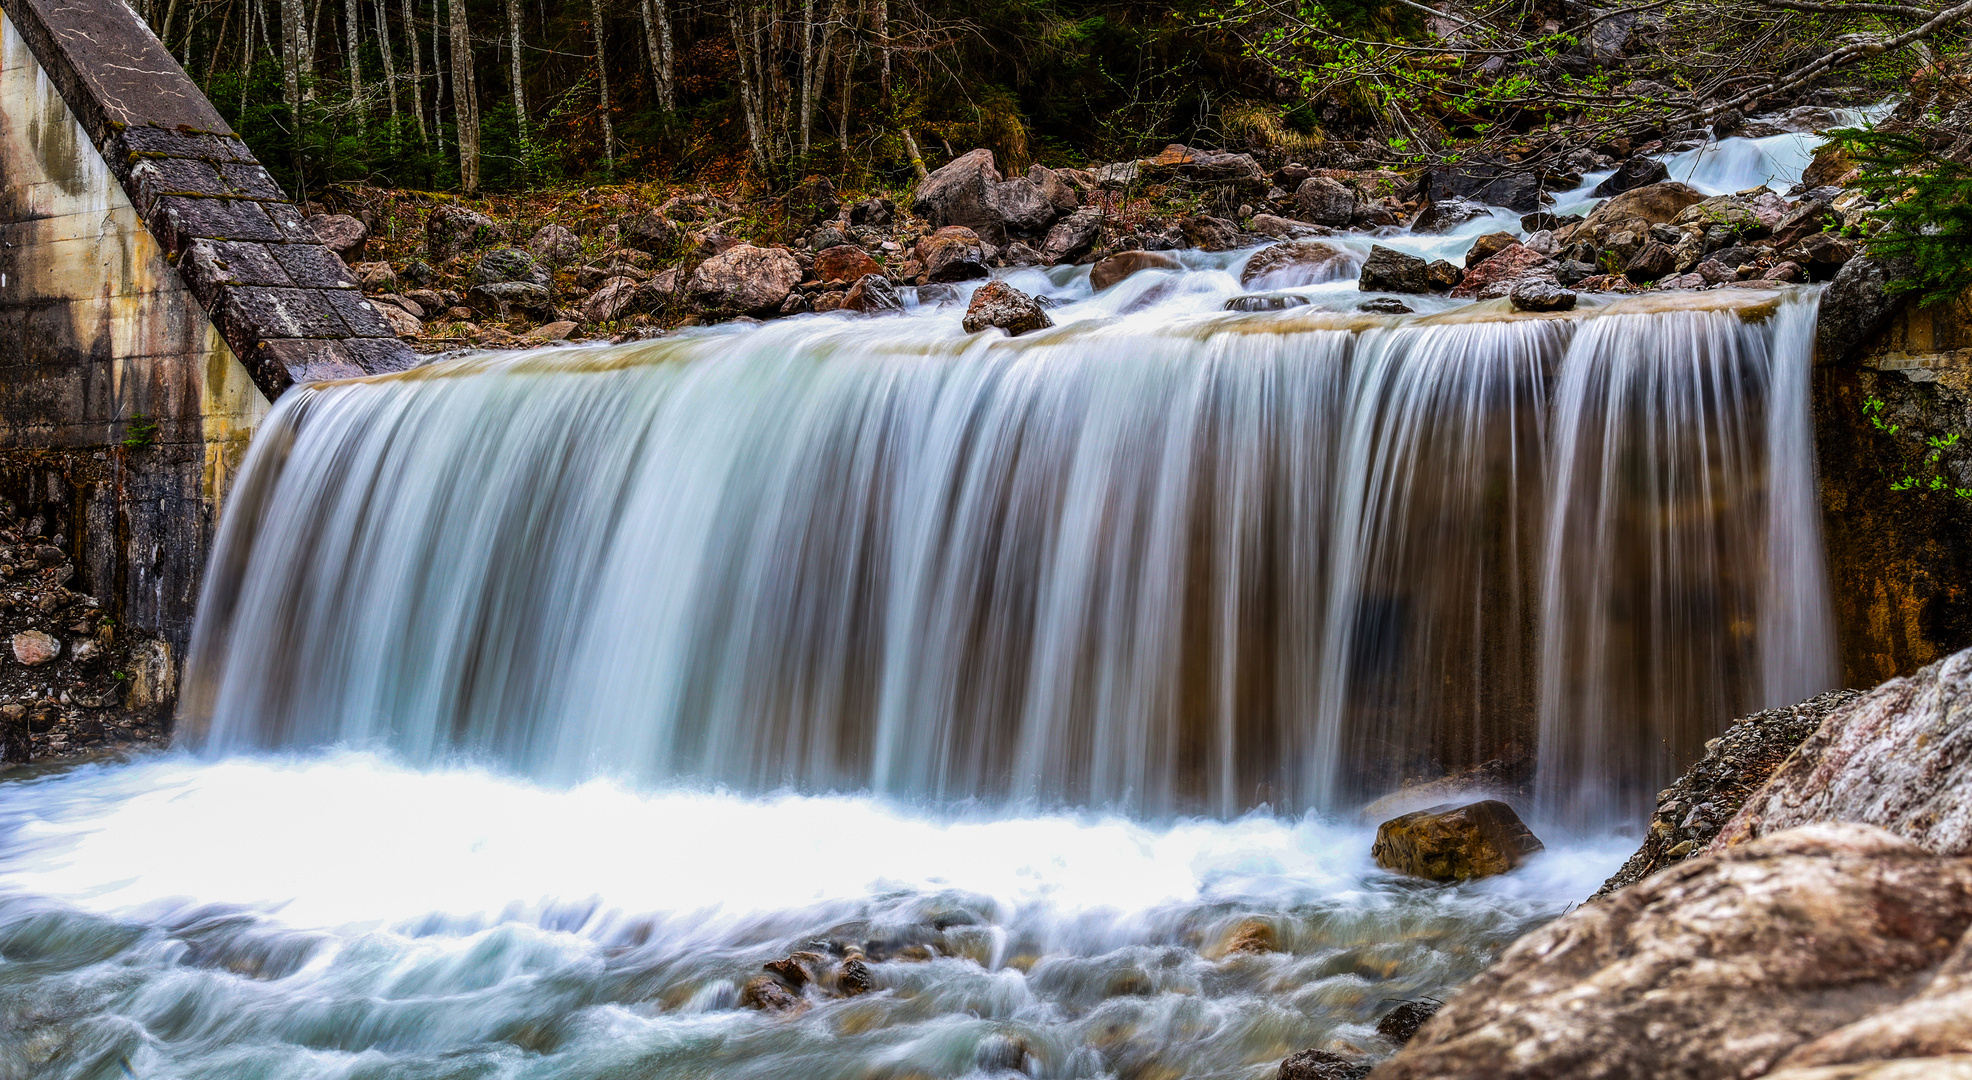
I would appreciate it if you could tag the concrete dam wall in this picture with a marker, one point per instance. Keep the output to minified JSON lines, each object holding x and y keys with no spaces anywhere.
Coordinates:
{"x":157,"y":291}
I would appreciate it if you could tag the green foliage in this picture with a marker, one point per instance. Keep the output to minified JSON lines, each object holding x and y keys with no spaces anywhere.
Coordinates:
{"x":140,"y":432}
{"x":1926,"y":212}
{"x":1927,"y":458}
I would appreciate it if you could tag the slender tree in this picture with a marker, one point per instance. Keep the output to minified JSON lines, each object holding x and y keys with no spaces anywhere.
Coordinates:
{"x":657,"y":41}
{"x":389,"y":61}
{"x":417,"y":73}
{"x":352,"y":28}
{"x":519,"y":80}
{"x":602,"y":84}
{"x":464,"y":108}
{"x":291,"y":50}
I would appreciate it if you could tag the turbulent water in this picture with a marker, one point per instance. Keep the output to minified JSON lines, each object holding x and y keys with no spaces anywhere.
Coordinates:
{"x":540,"y":699}
{"x":346,"y":918}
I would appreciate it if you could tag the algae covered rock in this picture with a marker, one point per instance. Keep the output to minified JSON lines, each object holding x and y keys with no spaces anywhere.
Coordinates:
{"x":1455,"y":843}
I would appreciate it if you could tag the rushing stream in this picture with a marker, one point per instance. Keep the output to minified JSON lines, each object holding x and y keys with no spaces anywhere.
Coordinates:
{"x":540,"y":699}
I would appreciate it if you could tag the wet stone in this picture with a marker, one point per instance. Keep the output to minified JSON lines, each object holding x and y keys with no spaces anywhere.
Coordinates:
{"x":1455,"y":843}
{"x":1402,"y":1022}
{"x":1322,"y":1065}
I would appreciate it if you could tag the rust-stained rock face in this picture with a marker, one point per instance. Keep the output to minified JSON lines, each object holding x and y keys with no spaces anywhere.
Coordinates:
{"x":1898,"y":530}
{"x":1803,"y":947}
{"x":1455,"y":843}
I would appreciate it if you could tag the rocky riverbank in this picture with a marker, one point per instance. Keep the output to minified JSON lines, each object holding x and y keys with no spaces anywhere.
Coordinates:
{"x":638,"y":260}
{"x":1801,"y":910}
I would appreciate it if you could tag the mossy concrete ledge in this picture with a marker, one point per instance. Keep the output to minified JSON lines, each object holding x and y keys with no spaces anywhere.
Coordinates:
{"x":157,"y":292}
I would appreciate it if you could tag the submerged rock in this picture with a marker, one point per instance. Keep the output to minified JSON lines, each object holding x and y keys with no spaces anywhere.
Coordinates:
{"x":1632,"y":174}
{"x":1266,"y":302}
{"x":1541,"y":295}
{"x":1322,"y":1065}
{"x":1400,"y":1024}
{"x":1385,"y":305}
{"x":1447,"y":214}
{"x":1455,"y":843}
{"x":764,"y":992}
{"x":1116,"y":267}
{"x":1002,"y":305}
{"x":1295,"y":262}
{"x":1821,"y":944}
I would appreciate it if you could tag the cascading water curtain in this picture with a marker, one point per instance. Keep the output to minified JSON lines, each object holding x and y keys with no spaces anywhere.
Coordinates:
{"x":1190,"y":566}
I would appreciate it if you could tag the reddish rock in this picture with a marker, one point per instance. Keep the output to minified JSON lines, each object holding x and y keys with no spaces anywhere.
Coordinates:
{"x":1498,"y":275}
{"x":844,"y":262}
{"x":999,"y":304}
{"x":34,"y":648}
{"x":953,"y":253}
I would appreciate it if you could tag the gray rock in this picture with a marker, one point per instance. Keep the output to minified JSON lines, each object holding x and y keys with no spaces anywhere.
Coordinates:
{"x":1390,"y":270}
{"x":612,"y":300}
{"x":1446,"y":215}
{"x":1020,"y":205}
{"x":744,"y":280}
{"x":1855,"y":306}
{"x":554,"y":244}
{"x":997,"y":304}
{"x":1384,"y":305}
{"x":502,"y":297}
{"x":1325,"y":201}
{"x":1517,"y":189}
{"x":1538,"y":295}
{"x":511,"y":264}
{"x":953,"y":253}
{"x":871,"y":294}
{"x":1652,"y":261}
{"x":960,"y":193}
{"x":1265,"y":302}
{"x":1634,"y":173}
{"x":1296,"y":262}
{"x":1072,"y":236}
{"x":452,"y":230}
{"x":341,"y":233}
{"x":1209,"y":233}
{"x":1281,"y":228}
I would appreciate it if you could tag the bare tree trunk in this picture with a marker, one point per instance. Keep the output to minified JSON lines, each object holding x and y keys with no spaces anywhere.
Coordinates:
{"x":883,"y":39}
{"x":417,"y":72}
{"x":807,"y":63}
{"x":353,"y":29}
{"x":602,"y":85}
{"x":219,"y":47}
{"x":917,"y":158}
{"x":520,"y":87}
{"x":311,"y":32}
{"x":389,"y":62}
{"x":437,"y":79}
{"x":170,"y":17}
{"x":464,"y":105}
{"x":745,"y":43}
{"x":657,"y":41}
{"x":246,"y":51}
{"x":291,"y":46}
{"x":847,"y":87}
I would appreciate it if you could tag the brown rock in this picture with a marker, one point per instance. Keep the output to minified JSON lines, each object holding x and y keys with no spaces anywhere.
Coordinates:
{"x":953,"y":253}
{"x":374,"y":276}
{"x":1488,"y":246}
{"x":1455,"y":843}
{"x":1209,"y":233}
{"x":34,"y":648}
{"x":1116,"y":267}
{"x":1281,"y":228}
{"x":554,"y":331}
{"x":999,"y":304}
{"x":1325,"y":201}
{"x":1652,"y":261}
{"x":16,"y":744}
{"x":1831,"y":167}
{"x":554,"y":244}
{"x":1654,"y":203}
{"x":844,"y":262}
{"x":1296,"y":262}
{"x":745,"y":280}
{"x":764,"y":992}
{"x":402,"y":323}
{"x":1443,"y":275}
{"x":1322,"y":1065}
{"x":612,"y":300}
{"x":1716,"y":969}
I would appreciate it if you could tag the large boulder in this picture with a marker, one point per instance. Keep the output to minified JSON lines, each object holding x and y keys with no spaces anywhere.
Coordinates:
{"x":1325,"y":201}
{"x":1116,"y":267}
{"x":745,"y":280}
{"x":1455,"y":843}
{"x":1898,"y":757}
{"x":1020,"y":205}
{"x":502,"y":298}
{"x":1717,"y":969}
{"x":653,"y":233}
{"x":1296,"y":262}
{"x":1513,"y":187}
{"x":872,"y":294}
{"x":1538,"y":295}
{"x":1390,"y":270}
{"x":1055,"y":187}
{"x":1655,"y":203}
{"x":997,"y":304}
{"x":957,"y":193}
{"x":1447,"y":214}
{"x":1632,"y":174}
{"x":953,"y":253}
{"x":1856,"y":305}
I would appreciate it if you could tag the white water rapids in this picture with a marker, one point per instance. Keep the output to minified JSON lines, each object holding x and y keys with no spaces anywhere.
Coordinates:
{"x":539,"y":699}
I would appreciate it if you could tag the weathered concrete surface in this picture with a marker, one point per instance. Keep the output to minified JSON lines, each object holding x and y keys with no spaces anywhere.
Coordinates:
{"x":1900,"y":560}
{"x":157,"y":290}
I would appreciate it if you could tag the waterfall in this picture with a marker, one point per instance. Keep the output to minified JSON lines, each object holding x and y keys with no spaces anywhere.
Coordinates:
{"x":1162,"y":558}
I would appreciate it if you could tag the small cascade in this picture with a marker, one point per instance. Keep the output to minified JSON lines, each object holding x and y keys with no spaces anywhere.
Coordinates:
{"x":1162,"y":558}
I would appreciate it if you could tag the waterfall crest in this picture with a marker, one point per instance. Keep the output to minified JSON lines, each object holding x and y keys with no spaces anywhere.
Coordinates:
{"x":1183,"y":565}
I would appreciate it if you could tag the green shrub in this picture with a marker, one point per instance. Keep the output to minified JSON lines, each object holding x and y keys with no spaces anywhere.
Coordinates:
{"x":1926,"y":213}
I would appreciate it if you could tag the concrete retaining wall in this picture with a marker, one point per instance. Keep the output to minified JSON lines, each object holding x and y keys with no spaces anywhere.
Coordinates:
{"x":157,"y":291}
